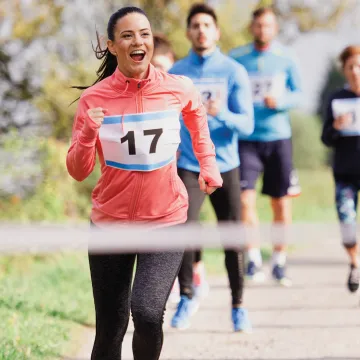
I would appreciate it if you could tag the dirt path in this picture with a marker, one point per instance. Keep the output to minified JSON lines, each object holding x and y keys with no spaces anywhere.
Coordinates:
{"x":316,"y":319}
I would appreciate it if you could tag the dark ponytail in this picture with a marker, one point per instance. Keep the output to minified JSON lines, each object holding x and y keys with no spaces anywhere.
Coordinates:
{"x":109,"y":64}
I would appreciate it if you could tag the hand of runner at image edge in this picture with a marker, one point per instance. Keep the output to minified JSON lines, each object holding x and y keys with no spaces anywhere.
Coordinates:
{"x":342,"y":121}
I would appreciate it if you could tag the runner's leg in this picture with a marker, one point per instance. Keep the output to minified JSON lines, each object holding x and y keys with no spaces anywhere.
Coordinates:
{"x":278,"y":168}
{"x":155,"y":274}
{"x":188,"y":305}
{"x":251,"y":167}
{"x":111,"y":277}
{"x":346,"y":203}
{"x":227,"y":209}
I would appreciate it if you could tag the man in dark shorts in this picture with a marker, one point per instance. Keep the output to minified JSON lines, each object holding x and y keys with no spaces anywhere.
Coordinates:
{"x":276,"y":89}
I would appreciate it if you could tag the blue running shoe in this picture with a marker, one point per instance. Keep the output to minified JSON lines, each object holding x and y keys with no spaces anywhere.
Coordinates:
{"x":240,"y":319}
{"x":254,"y":273}
{"x":278,"y":273}
{"x":186,"y":308}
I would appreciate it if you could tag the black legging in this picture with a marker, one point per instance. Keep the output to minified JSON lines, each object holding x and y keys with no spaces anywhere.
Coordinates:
{"x":111,"y":277}
{"x":197,"y":256}
{"x":226,"y":203}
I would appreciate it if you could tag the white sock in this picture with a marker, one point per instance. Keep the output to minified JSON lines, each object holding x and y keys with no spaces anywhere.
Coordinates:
{"x":279,"y":258}
{"x":254,"y":255}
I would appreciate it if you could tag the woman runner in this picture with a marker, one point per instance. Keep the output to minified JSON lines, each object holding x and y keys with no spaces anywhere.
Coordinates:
{"x":341,"y":131}
{"x":130,"y":119}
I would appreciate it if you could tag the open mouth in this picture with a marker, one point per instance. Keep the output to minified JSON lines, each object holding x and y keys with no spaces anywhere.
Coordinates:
{"x":137,"y":55}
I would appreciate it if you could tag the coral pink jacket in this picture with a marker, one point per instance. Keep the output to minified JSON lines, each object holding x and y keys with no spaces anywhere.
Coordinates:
{"x":121,"y":195}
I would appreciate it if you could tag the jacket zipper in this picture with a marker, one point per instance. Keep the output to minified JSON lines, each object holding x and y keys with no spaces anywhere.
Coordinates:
{"x":139,"y":174}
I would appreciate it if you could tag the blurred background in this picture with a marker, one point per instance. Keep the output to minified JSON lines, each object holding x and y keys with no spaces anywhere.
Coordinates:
{"x":45,"y":48}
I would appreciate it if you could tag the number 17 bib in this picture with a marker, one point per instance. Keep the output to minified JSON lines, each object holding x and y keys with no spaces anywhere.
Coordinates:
{"x":140,"y":142}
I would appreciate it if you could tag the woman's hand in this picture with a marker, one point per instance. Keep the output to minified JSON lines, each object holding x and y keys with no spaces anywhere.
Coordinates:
{"x":342,"y":121}
{"x":96,"y":115}
{"x":206,"y":188}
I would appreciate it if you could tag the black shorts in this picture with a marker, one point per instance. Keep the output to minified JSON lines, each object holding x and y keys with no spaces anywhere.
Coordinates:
{"x":273,"y":159}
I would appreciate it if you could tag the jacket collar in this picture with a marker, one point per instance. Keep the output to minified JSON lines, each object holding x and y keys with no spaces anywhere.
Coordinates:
{"x":269,"y":48}
{"x":125,"y":84}
{"x":201,"y":59}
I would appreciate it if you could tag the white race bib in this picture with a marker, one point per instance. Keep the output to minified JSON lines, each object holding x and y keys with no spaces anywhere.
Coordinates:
{"x":344,"y":106}
{"x":140,"y":142}
{"x":267,"y":85}
{"x":212,"y":89}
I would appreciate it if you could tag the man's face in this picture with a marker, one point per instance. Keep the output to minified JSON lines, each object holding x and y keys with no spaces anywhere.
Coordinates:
{"x":264,"y":29}
{"x":203,"y":32}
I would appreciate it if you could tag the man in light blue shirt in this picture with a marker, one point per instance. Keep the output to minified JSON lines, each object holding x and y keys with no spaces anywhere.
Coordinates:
{"x":276,"y":89}
{"x":225,"y":89}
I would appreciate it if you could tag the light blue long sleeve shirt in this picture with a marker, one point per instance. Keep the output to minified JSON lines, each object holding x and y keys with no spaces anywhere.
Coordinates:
{"x":218,"y":76}
{"x":272,"y":72}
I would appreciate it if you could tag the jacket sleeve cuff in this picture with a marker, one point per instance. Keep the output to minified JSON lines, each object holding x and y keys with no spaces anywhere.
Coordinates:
{"x":89,"y":132}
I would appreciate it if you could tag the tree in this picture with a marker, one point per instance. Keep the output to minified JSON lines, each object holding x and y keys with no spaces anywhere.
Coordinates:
{"x":300,"y":16}
{"x":24,"y":28}
{"x":168,"y":16}
{"x":45,"y":47}
{"x":24,"y":32}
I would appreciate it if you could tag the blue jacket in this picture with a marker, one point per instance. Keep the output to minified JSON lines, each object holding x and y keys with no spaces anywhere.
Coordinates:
{"x":217,"y":75}
{"x":272,"y":72}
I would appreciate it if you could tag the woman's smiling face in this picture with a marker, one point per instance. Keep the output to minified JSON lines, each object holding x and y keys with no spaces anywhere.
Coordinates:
{"x":133,"y":45}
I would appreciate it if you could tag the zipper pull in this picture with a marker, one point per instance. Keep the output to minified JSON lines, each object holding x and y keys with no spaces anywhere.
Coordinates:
{"x":139,"y":85}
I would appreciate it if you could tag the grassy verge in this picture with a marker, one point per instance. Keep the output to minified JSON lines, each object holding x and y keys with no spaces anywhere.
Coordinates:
{"x":43,"y":303}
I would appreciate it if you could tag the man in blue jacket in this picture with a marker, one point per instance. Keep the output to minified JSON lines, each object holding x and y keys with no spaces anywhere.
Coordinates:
{"x":226,"y":93}
{"x":276,"y":89}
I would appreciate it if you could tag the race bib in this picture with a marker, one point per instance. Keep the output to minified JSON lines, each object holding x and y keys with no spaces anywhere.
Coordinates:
{"x":345,"y":106}
{"x":212,"y":89}
{"x":140,"y":142}
{"x":267,"y":85}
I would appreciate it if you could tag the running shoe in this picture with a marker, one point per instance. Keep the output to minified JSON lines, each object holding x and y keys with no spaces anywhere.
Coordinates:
{"x":254,"y":273}
{"x":354,"y":279}
{"x":186,"y":308}
{"x":241,"y":321}
{"x":278,"y":273}
{"x":294,"y":189}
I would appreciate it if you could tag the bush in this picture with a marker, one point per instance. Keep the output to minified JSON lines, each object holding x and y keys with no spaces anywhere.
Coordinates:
{"x":57,"y":197}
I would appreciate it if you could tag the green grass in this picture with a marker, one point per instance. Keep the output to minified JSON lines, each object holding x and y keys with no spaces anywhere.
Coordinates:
{"x":43,"y":303}
{"x":316,"y":202}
